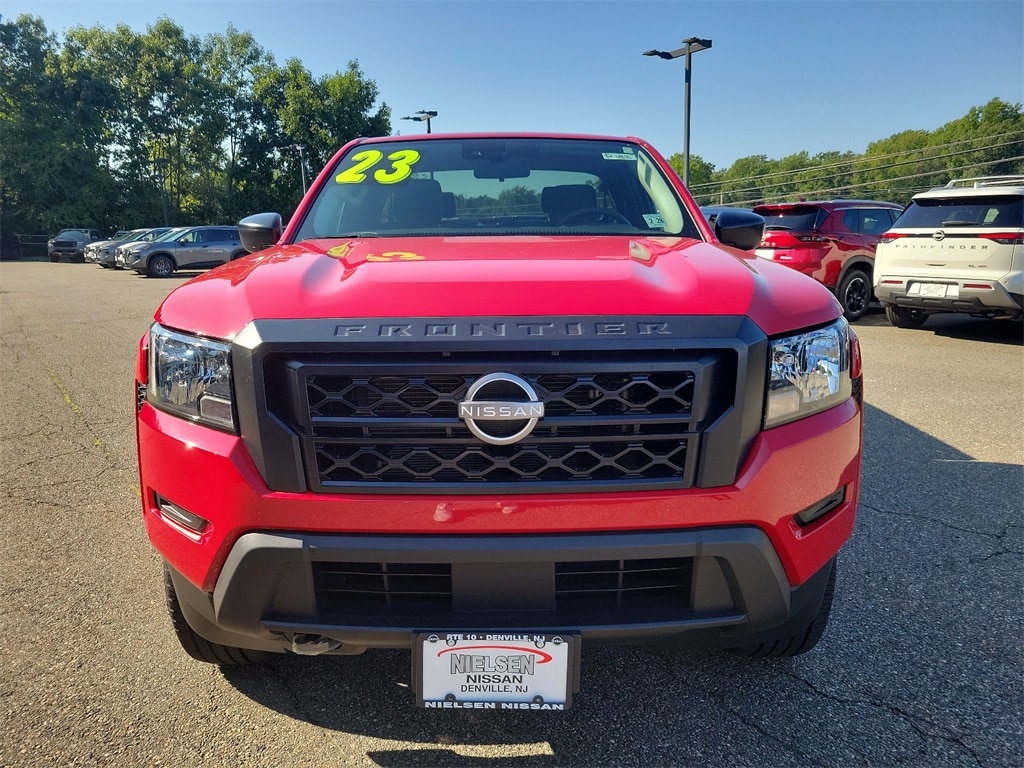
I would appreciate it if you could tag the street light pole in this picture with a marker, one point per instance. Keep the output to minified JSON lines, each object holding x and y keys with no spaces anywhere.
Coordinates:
{"x":302,"y":163}
{"x":159,"y":164}
{"x":692,"y":46}
{"x":423,"y":115}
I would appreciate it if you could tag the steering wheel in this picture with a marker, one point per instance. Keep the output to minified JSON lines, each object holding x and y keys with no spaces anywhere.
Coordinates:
{"x":593,"y":214}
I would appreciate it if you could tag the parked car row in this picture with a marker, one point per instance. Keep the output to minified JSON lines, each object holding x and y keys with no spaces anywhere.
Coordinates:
{"x":160,"y":251}
{"x":102,"y":251}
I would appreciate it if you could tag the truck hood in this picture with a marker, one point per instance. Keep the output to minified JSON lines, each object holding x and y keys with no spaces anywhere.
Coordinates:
{"x":443,"y":277}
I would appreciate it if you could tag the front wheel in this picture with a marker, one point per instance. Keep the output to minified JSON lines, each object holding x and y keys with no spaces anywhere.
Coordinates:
{"x":160,"y":266}
{"x":905,"y":317}
{"x":199,"y":647}
{"x":854,"y":294}
{"x":54,"y":257}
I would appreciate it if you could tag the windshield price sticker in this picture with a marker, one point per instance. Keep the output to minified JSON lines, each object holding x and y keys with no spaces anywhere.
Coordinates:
{"x":495,"y":670}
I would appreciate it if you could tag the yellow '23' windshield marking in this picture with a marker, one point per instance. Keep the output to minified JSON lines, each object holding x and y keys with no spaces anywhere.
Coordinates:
{"x":402,"y":162}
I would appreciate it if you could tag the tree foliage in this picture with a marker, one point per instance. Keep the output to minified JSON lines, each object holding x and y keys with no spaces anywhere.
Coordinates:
{"x":93,"y":124}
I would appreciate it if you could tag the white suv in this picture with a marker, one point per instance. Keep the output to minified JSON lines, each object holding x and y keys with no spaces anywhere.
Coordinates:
{"x":957,"y":248}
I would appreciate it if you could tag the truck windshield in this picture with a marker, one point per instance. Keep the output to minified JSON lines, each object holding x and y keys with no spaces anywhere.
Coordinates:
{"x":484,"y":186}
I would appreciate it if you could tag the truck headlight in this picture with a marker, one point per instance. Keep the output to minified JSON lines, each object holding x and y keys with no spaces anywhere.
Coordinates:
{"x":810,"y":372}
{"x":191,"y":377}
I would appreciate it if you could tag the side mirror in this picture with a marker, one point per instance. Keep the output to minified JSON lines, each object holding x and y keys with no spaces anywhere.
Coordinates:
{"x":260,"y":231}
{"x":740,"y":229}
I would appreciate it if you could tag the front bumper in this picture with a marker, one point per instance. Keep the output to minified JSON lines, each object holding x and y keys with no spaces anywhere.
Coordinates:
{"x":70,"y":254}
{"x":721,"y":587}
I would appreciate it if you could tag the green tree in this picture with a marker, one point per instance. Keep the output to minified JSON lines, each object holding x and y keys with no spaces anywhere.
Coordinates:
{"x":236,"y":64}
{"x":52,"y":169}
{"x":701,"y":171}
{"x":520,"y":199}
{"x":742,"y":183}
{"x":988,"y":140}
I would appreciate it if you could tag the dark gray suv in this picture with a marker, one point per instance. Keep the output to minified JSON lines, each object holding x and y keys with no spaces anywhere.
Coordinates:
{"x":195,"y":248}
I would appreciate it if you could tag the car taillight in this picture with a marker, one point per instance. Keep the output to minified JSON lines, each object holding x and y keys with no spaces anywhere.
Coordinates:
{"x":1004,"y":238}
{"x":783,"y":240}
{"x":886,"y":236}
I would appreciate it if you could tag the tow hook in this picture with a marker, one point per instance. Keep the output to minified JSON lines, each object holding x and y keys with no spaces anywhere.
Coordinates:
{"x":313,"y":645}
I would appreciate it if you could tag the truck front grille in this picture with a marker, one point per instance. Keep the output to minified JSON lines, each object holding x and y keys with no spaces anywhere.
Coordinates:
{"x":378,"y":426}
{"x":373,"y":406}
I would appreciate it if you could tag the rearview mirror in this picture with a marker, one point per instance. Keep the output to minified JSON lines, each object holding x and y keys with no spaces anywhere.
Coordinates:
{"x":509,"y":169}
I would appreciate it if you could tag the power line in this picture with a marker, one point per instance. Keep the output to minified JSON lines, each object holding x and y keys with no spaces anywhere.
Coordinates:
{"x":879,"y":183}
{"x":861,"y":158}
{"x":817,"y":178}
{"x":700,"y":188}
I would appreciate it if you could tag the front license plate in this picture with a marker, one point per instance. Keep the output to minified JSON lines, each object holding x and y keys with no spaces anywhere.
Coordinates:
{"x":495,"y":670}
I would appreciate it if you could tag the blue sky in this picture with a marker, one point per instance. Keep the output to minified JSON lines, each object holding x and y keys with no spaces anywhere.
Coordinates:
{"x":781,"y":76}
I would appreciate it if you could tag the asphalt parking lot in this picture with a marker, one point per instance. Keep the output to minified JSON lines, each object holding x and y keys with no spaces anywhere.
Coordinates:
{"x":922,"y":663}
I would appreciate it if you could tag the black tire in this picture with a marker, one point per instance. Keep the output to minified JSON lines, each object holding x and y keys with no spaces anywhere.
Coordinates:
{"x":160,"y":266}
{"x":201,"y":649}
{"x":238,"y":255}
{"x":801,"y":641}
{"x":905,"y":317}
{"x":54,"y":257}
{"x":854,"y":294}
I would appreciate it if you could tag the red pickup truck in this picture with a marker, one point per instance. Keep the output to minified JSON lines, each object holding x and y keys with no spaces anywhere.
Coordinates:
{"x":494,"y":399}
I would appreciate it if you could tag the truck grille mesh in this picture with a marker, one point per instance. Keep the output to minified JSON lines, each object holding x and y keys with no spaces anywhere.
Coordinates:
{"x":385,"y":429}
{"x":403,"y":396}
{"x":374,"y":422}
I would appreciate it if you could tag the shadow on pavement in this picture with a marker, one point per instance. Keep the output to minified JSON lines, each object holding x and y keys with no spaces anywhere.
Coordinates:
{"x":920,"y":664}
{"x":958,"y":327}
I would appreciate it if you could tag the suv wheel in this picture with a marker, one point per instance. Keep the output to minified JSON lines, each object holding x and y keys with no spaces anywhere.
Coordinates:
{"x":855,"y":294}
{"x":199,"y":647}
{"x":160,"y":266}
{"x":54,"y":257}
{"x":794,"y":643}
{"x":905,"y":317}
